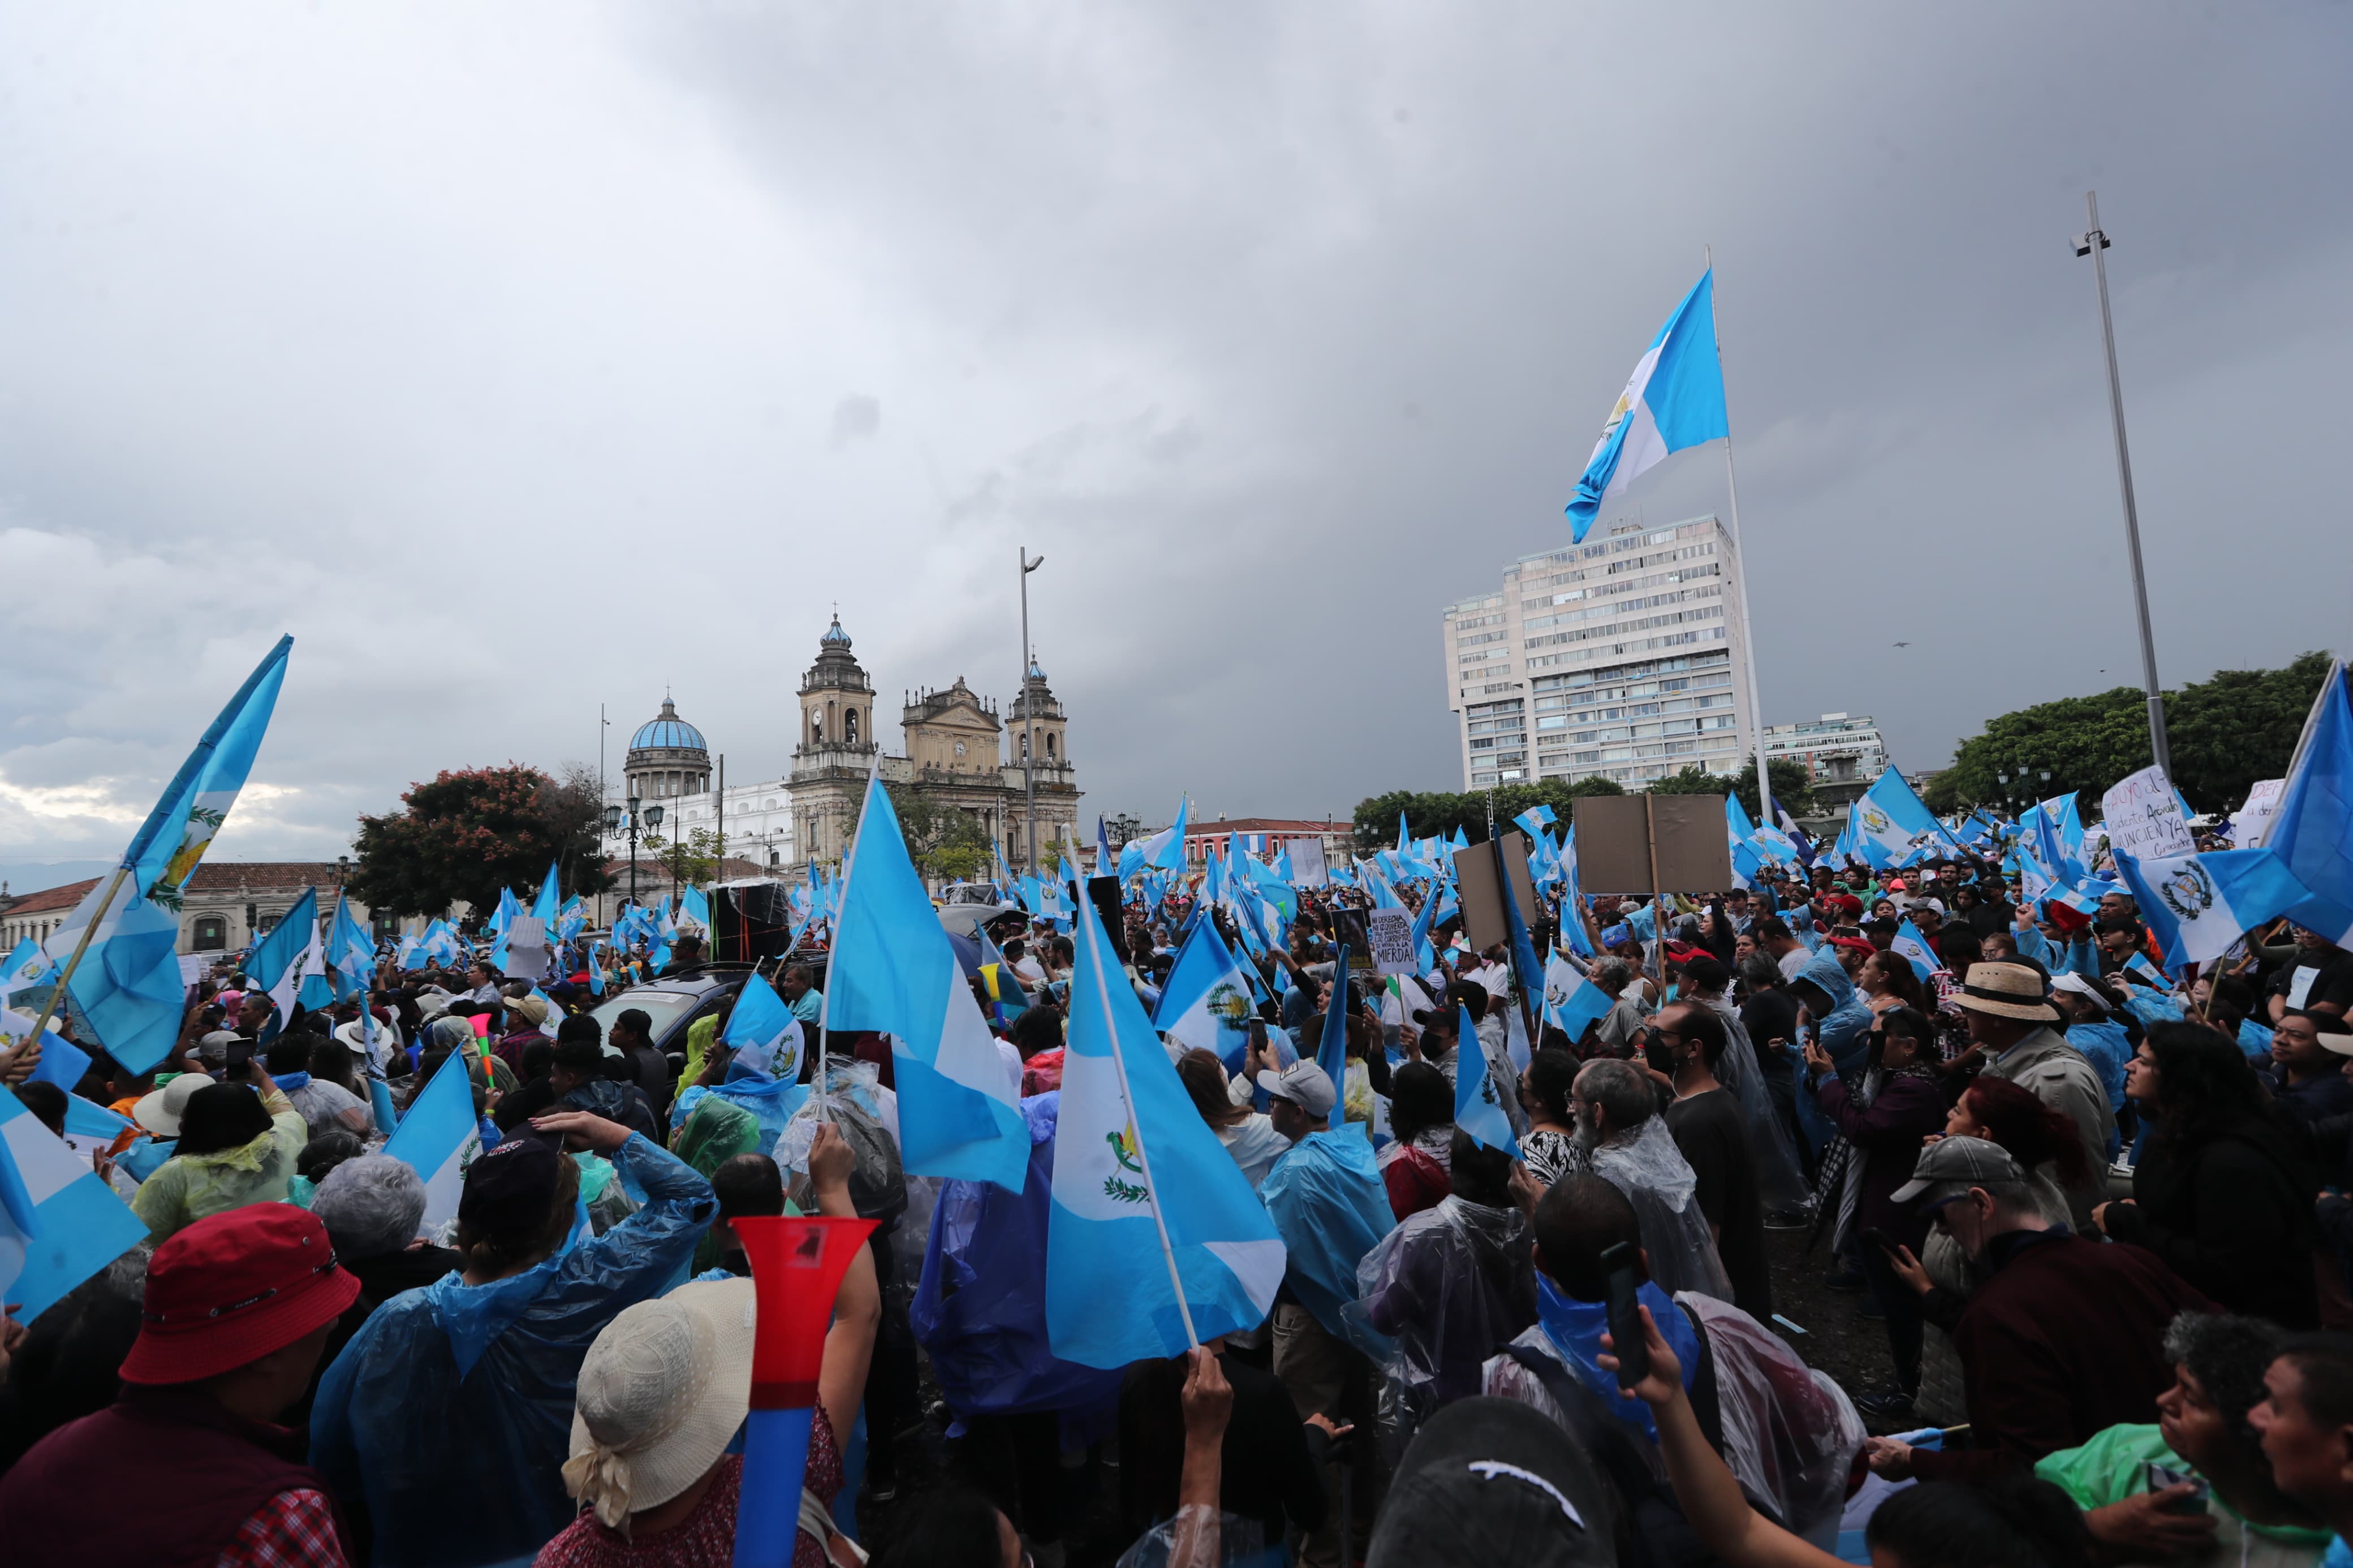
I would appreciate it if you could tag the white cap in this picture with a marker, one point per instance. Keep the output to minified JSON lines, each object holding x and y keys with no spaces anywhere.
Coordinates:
{"x":1304,"y":1084}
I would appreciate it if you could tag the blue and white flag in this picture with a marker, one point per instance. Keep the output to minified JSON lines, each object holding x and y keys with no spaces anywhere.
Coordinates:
{"x":1206,"y":1005}
{"x":1673,"y":400}
{"x":1571,"y":1001}
{"x":2200,"y":904}
{"x":1139,"y":1178}
{"x":1478,"y":1098}
{"x":194,"y":805}
{"x":58,"y":1223}
{"x":1914,"y":949}
{"x":127,"y":986}
{"x":893,"y":969}
{"x":62,"y":1062}
{"x":548,"y":903}
{"x":2311,"y":831}
{"x":762,"y":1032}
{"x":351,"y":952}
{"x":440,"y":1138}
{"x":694,"y":909}
{"x":275,"y":964}
{"x":25,"y":967}
{"x":1892,"y":828}
{"x":1104,"y":864}
{"x":1166,"y":849}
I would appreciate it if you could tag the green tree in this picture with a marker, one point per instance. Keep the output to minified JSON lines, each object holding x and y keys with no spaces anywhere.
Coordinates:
{"x":469,"y":833}
{"x":2224,"y":732}
{"x":1429,"y":814}
{"x":689,"y":861}
{"x":944,"y":841}
{"x":1793,"y":786}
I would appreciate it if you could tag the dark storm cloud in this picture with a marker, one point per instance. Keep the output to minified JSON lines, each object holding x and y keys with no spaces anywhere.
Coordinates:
{"x":504,"y":360}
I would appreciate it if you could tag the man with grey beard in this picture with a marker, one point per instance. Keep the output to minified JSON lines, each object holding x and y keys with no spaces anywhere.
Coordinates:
{"x":1619,"y":1125}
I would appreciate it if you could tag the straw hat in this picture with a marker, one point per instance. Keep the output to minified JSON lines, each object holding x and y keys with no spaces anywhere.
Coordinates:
{"x":2007,"y":991}
{"x":662,"y":1390}
{"x":160,"y":1111}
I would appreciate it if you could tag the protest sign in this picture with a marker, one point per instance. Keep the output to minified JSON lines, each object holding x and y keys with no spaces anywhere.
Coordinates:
{"x":1389,"y":934}
{"x":2144,"y":818}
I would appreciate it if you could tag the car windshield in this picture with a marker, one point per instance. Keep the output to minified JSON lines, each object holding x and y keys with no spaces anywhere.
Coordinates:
{"x":661,"y":1008}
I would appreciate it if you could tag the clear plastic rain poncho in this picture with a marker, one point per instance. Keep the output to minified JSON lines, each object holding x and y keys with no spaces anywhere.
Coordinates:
{"x":1448,"y":1285}
{"x":1657,"y":1181}
{"x":1779,"y":1179}
{"x":449,"y":1412}
{"x":868,"y":1116}
{"x":1789,"y":1434}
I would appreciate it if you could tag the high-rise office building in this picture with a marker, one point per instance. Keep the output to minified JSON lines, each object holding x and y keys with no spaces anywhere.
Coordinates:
{"x":1620,"y":656}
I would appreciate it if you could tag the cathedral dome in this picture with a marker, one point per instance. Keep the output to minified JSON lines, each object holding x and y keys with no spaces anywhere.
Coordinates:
{"x":668,"y":732}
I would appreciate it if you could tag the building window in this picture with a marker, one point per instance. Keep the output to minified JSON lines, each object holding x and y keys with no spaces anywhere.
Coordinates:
{"x":850,"y":727}
{"x":1050,"y":747}
{"x":211,"y":933}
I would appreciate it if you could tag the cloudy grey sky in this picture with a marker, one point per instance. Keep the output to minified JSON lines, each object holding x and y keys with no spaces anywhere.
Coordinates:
{"x":521,"y":358}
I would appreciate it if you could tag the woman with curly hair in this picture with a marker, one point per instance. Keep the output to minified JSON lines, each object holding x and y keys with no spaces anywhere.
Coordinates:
{"x":2223,"y":1188}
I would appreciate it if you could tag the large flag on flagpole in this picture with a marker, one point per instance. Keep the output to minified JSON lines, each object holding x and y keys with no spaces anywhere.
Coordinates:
{"x":1673,"y":400}
{"x":893,"y":970}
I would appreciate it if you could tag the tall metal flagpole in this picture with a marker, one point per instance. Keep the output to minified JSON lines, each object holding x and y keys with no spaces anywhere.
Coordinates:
{"x":2091,"y":243}
{"x":1740,"y":563}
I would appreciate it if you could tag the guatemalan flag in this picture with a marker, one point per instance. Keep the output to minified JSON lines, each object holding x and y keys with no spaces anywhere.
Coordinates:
{"x":1142,"y":1189}
{"x":2200,"y":904}
{"x":893,"y":970}
{"x":1206,"y":1003}
{"x":58,"y":1223}
{"x":440,"y":1138}
{"x":1673,"y":400}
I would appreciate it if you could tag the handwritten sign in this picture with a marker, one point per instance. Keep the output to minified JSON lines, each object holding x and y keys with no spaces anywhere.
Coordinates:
{"x":2255,"y":820}
{"x":2144,"y":818}
{"x":1390,"y":934}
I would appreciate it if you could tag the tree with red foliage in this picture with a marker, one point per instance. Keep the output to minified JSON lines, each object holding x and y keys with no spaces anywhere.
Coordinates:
{"x":473,"y":831}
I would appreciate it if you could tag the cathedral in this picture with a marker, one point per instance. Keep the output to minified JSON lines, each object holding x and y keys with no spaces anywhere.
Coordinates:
{"x":959,"y":751}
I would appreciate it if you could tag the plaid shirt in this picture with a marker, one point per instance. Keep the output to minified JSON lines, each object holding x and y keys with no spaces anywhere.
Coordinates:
{"x":294,"y":1529}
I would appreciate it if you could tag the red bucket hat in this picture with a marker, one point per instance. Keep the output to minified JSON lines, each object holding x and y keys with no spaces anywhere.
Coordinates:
{"x":231,"y":1288}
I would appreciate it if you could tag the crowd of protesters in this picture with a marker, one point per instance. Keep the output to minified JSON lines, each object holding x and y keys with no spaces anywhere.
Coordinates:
{"x":2104,"y":1216}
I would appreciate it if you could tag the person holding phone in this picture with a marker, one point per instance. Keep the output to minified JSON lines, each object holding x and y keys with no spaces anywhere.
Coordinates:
{"x":1907,"y":1107}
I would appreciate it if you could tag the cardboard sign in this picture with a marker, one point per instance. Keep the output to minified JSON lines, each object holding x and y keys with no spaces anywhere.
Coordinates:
{"x":527,"y":951}
{"x":1349,"y":929}
{"x":1307,"y":863}
{"x":2254,"y":821}
{"x":1615,"y":836}
{"x":1389,"y":934}
{"x":2144,"y":818}
{"x":1481,"y":897}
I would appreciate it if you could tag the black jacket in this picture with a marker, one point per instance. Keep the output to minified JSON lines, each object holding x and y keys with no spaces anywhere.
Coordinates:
{"x":2232,"y":1214}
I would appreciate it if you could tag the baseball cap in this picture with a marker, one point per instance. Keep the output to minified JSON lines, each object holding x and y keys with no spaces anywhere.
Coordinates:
{"x":1304,"y":1084}
{"x":1951,"y":1166}
{"x":1489,"y":1481}
{"x":231,"y":1288}
{"x":511,"y":1187}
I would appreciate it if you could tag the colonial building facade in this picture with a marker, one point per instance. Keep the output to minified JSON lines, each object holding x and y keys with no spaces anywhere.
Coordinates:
{"x":960,"y":753}
{"x":224,"y":906}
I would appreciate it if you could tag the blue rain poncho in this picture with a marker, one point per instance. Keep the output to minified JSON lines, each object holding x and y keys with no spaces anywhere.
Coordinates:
{"x":2105,"y":1047}
{"x":450,"y":1411}
{"x":979,"y":1310}
{"x":760,"y":1092}
{"x":1845,"y":1035}
{"x":1330,"y":1208}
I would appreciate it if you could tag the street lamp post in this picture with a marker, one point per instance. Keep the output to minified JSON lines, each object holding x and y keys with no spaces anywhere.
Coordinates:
{"x":2091,"y":242}
{"x":653,"y":820}
{"x":1029,"y":717}
{"x":615,"y":819}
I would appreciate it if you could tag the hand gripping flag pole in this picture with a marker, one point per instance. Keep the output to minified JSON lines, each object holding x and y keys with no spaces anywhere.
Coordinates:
{"x":798,"y":1264}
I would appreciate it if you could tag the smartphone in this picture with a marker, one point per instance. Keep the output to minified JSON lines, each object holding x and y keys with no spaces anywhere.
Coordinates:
{"x":1626,"y":1337}
{"x":2160,"y":1478}
{"x":1257,"y":1036}
{"x":240,"y":1059}
{"x":1880,"y":1239}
